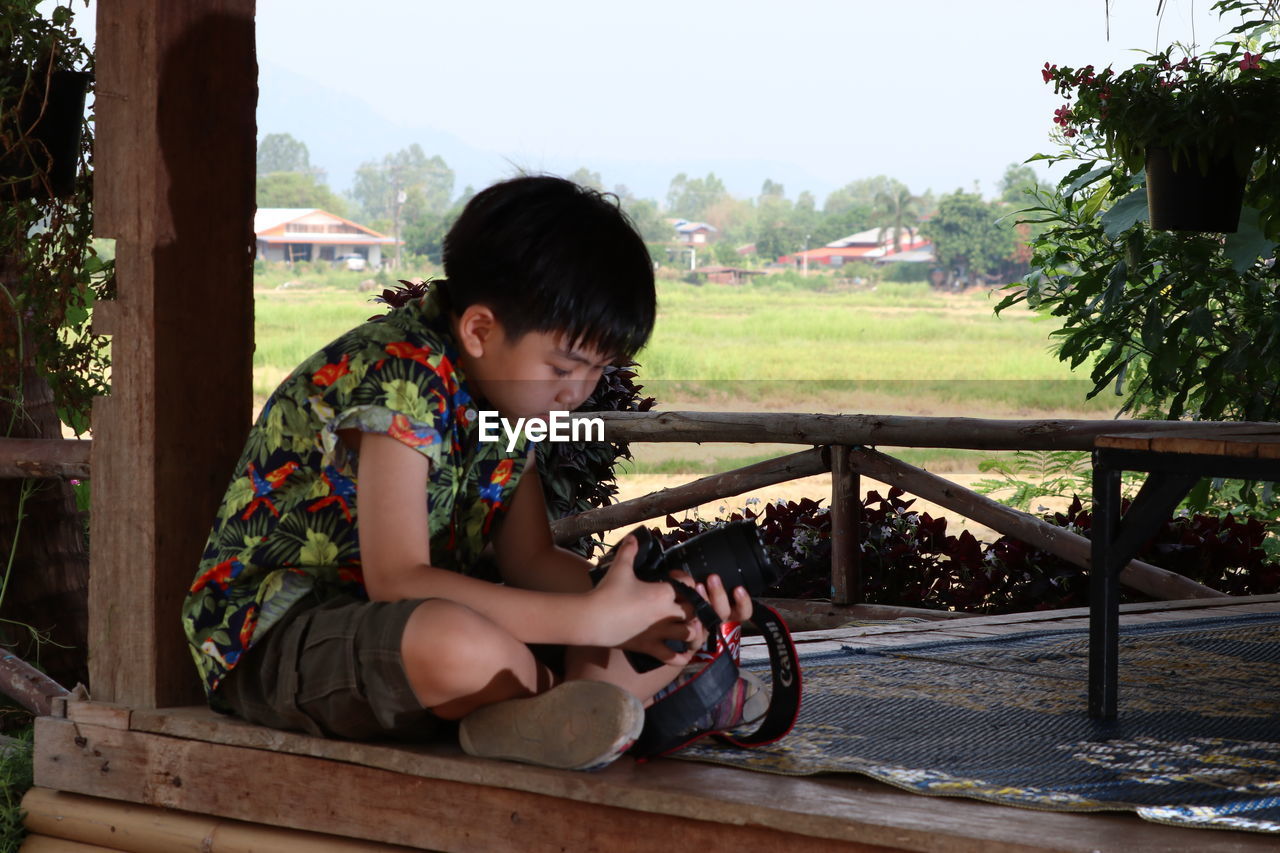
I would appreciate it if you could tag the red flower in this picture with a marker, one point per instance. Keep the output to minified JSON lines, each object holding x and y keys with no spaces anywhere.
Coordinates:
{"x":1062,"y":114}
{"x":404,"y":349}
{"x":1250,"y":61}
{"x":1047,"y":72}
{"x":331,"y":373}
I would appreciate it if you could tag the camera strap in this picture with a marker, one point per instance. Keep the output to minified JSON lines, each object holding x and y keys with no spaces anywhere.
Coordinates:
{"x":671,"y":721}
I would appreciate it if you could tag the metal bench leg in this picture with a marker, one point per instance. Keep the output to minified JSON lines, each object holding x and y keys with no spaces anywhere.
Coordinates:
{"x":1104,"y":594}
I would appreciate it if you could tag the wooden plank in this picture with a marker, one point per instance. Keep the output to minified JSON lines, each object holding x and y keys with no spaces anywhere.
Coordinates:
{"x":654,"y":806}
{"x":1218,"y":439}
{"x":1124,"y":442}
{"x":381,"y":805}
{"x":98,"y":714}
{"x":44,"y":457}
{"x":175,"y":158}
{"x":1179,"y":444}
{"x":804,"y":615}
{"x":146,"y":829}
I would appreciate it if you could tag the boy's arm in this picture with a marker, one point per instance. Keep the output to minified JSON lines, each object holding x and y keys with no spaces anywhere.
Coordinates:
{"x":396,"y":559}
{"x":527,"y":555}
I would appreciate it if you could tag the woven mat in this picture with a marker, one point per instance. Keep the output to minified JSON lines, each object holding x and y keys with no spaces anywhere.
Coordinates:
{"x":1196,"y":741}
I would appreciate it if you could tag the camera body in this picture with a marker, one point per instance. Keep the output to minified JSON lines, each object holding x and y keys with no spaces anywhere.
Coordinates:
{"x":733,"y":551}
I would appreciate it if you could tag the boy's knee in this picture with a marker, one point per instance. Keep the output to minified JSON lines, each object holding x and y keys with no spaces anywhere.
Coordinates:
{"x":450,"y":650}
{"x":448,"y":630}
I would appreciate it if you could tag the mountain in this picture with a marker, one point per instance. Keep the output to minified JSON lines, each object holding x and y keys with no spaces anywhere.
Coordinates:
{"x":341,"y":131}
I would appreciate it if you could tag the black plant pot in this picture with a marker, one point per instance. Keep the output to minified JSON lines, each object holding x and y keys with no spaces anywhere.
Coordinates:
{"x":46,"y":165}
{"x":1187,"y":199}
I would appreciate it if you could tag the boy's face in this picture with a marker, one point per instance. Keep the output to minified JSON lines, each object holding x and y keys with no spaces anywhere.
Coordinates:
{"x":530,"y":376}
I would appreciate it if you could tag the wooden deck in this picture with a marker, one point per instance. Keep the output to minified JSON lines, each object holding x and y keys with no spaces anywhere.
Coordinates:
{"x":196,"y":762}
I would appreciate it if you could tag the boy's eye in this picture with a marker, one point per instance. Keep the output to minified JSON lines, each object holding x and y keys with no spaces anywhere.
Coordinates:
{"x":559,"y":371}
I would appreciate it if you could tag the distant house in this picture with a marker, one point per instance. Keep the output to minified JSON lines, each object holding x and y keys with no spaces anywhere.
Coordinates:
{"x":308,"y":234}
{"x":725,"y":275}
{"x":693,"y":232}
{"x":872,"y":246}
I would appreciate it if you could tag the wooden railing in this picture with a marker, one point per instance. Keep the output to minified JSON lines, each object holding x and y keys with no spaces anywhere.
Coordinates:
{"x":841,"y":450}
{"x":840,"y":444}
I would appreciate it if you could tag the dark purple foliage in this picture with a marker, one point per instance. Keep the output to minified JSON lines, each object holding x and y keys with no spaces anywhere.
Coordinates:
{"x":909,"y":558}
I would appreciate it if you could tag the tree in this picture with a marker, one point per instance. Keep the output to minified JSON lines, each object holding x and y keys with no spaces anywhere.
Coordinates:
{"x":280,"y":152}
{"x":860,"y":193}
{"x":771,"y":189}
{"x":967,"y":239}
{"x":1183,"y":323}
{"x":587,"y":178}
{"x":425,"y":182}
{"x":897,"y":212}
{"x":298,"y":189}
{"x":690,"y":197}
{"x":849,"y":209}
{"x":405,"y":187}
{"x":1017,"y":183}
{"x":648,"y":219}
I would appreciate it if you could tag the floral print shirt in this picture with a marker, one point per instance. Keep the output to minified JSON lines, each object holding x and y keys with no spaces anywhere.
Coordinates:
{"x":287,"y":526}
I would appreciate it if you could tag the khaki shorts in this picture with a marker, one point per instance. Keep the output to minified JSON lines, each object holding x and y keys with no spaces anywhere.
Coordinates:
{"x":332,"y":669}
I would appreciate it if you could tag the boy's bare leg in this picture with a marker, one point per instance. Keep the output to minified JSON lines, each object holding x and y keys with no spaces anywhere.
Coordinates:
{"x":458,"y":660}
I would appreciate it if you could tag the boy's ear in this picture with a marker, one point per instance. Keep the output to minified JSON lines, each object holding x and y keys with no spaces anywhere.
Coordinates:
{"x":476,"y":328}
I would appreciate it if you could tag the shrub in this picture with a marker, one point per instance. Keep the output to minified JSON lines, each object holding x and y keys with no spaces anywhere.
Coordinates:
{"x":909,"y":558}
{"x":903,"y":271}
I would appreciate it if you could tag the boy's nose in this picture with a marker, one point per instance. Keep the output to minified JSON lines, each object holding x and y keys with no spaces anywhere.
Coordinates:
{"x":572,"y":394}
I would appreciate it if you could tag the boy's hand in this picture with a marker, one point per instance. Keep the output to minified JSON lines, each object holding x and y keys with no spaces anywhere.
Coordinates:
{"x":732,"y":606}
{"x":640,"y":616}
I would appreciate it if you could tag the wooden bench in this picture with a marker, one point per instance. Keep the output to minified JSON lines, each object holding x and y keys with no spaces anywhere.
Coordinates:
{"x":1174,"y":461}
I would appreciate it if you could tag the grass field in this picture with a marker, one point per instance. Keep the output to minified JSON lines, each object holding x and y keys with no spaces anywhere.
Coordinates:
{"x":897,"y":349}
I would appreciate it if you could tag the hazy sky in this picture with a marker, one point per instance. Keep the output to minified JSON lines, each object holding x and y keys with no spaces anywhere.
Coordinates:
{"x":938,"y":93}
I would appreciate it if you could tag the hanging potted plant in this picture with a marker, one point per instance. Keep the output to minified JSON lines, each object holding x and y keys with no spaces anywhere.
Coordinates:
{"x":1201,"y":125}
{"x":42,"y":100}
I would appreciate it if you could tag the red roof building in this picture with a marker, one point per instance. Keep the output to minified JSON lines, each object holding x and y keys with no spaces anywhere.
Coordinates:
{"x":308,"y":234}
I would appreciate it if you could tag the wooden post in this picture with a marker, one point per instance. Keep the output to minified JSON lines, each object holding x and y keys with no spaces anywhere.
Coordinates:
{"x":174,"y":184}
{"x":846,"y":529}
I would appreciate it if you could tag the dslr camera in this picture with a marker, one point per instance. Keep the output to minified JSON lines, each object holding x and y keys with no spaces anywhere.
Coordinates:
{"x":732,"y":551}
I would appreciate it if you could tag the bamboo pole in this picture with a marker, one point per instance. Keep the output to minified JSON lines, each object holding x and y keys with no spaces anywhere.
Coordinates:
{"x":49,"y":844}
{"x":803,"y":464}
{"x":888,"y":430}
{"x":44,"y":457}
{"x":1144,"y":577}
{"x":26,"y":685}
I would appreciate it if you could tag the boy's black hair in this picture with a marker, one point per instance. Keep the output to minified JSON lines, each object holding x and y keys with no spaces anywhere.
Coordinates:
{"x":547,"y":255}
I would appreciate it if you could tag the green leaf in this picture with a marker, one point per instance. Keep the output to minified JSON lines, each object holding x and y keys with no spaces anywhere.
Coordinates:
{"x":1200,"y":322}
{"x":1249,"y":242}
{"x":1125,"y":213}
{"x":1086,"y":179}
{"x":1115,"y":286}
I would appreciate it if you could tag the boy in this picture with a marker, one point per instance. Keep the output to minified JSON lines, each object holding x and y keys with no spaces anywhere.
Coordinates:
{"x":335,"y":594}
